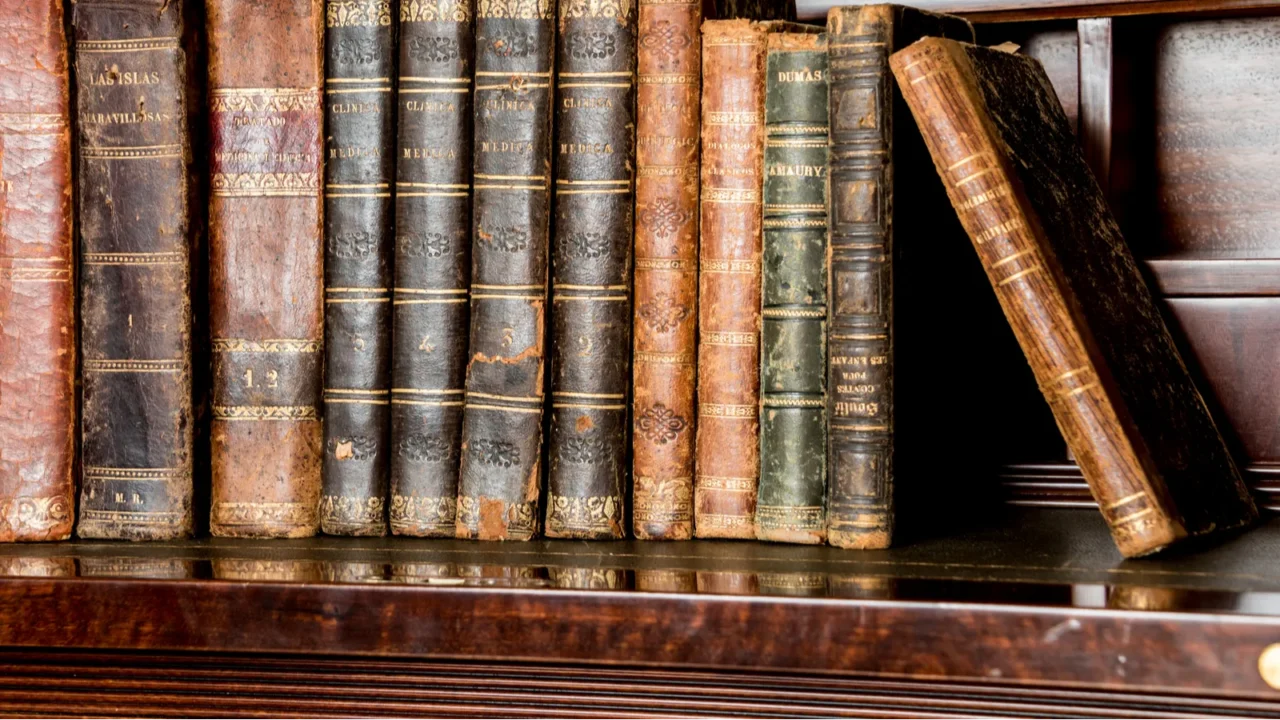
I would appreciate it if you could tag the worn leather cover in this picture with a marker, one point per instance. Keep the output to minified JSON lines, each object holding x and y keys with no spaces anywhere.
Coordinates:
{"x":359,"y":167}
{"x":864,"y":179}
{"x":669,"y":77}
{"x":793,"y":427}
{"x":1073,"y":294}
{"x":728,"y":444}
{"x":37,"y":324}
{"x":135,"y":270}
{"x":266,"y":289}
{"x":432,"y":263}
{"x":499,"y":481}
{"x":591,"y":269}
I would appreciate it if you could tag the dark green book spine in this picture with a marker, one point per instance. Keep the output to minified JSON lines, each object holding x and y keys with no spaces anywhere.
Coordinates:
{"x":793,"y":427}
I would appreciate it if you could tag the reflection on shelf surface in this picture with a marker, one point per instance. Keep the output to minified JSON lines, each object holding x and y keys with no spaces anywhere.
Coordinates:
{"x":1059,"y":558}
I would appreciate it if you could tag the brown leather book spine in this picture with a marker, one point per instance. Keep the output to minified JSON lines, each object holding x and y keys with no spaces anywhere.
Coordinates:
{"x":135,"y":271}
{"x":666,"y":268}
{"x":37,"y":323}
{"x":1072,"y":294}
{"x":265,"y":305}
{"x":728,"y":462}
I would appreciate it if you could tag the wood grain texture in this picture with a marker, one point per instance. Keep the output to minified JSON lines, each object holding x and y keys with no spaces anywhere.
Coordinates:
{"x":1200,"y":653}
{"x":185,"y":684}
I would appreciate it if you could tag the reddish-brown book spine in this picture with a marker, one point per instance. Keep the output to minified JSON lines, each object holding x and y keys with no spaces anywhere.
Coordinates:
{"x":265,"y":265}
{"x":728,"y":440}
{"x":666,"y":268}
{"x":37,"y":324}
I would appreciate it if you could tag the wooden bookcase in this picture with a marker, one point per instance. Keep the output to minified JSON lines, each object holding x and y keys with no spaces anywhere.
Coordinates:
{"x":1001,"y":599}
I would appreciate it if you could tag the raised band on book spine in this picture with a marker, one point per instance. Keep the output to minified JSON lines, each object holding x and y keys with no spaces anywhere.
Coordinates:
{"x":863,"y":202}
{"x":433,"y":264}
{"x":359,"y":169}
{"x":669,"y":73}
{"x":728,"y":441}
{"x":37,"y":290}
{"x":265,"y":265}
{"x":590,"y":276}
{"x":135,"y":272}
{"x":500,"y":476}
{"x":793,"y":427}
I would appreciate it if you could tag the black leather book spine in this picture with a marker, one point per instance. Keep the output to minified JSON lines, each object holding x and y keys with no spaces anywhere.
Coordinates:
{"x":359,"y":164}
{"x":499,"y":481}
{"x":135,"y":270}
{"x":432,"y":263}
{"x":591,"y":268}
{"x":793,"y":418}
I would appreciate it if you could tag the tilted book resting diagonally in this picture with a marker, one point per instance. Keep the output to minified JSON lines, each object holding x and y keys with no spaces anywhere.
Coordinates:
{"x":1073,"y":294}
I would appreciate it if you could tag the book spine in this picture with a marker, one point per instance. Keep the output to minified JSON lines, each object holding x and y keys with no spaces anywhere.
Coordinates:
{"x":793,"y":423}
{"x":728,"y":440}
{"x":500,"y":475}
{"x":265,"y":265}
{"x":37,"y":290}
{"x":859,"y":334}
{"x":666,"y":268}
{"x":359,"y":168}
{"x":591,"y":269}
{"x":433,"y":263}
{"x":940,"y":87}
{"x":135,"y":269}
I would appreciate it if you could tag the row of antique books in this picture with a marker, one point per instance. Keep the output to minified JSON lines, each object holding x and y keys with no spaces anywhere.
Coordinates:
{"x":515,"y":268}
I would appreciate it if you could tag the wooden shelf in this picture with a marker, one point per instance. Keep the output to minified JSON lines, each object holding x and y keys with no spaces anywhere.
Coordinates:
{"x":1031,"y":611}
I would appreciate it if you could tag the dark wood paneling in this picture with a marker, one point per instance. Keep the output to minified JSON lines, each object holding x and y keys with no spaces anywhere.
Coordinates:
{"x":960,"y":641}
{"x":1096,"y":53}
{"x":183,"y":685}
{"x":1235,"y":342}
{"x":1216,"y":91}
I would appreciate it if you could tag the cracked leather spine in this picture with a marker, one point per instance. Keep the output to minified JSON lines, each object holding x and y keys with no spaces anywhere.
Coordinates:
{"x":860,"y":359}
{"x":728,"y":438}
{"x":432,"y":263}
{"x":669,"y":76}
{"x":793,"y":427}
{"x":266,"y":265}
{"x":1073,"y":294}
{"x":360,"y":107}
{"x":500,"y":476}
{"x":591,"y":269}
{"x":135,"y":270}
{"x":37,"y":290}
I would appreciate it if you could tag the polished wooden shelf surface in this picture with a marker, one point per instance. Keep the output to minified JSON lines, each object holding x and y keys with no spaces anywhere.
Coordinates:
{"x":974,"y":619}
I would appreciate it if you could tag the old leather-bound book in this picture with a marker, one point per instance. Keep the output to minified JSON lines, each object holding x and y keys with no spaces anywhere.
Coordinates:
{"x":793,"y":427}
{"x":1074,"y":296}
{"x":432,"y":263}
{"x":669,"y":76}
{"x":359,"y":167}
{"x":870,"y":132}
{"x":728,"y":440}
{"x":591,"y":269}
{"x":135,"y":270}
{"x":37,"y":326}
{"x":265,"y":265}
{"x":499,"y":481}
